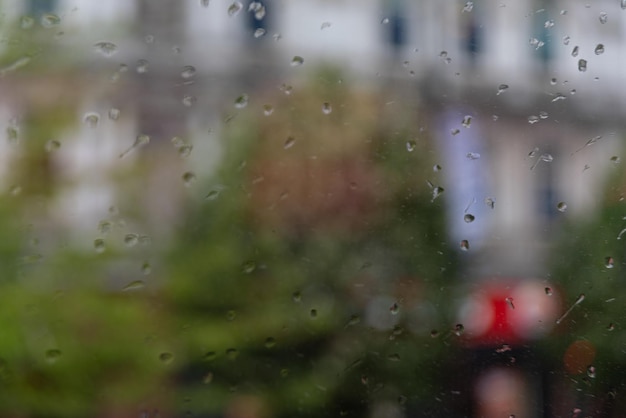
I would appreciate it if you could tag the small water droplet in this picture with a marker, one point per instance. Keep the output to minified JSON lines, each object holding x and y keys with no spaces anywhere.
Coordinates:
{"x":502,"y":88}
{"x":393,"y":357}
{"x":465,"y":245}
{"x":490,"y":202}
{"x":354,"y":320}
{"x":134,"y":285}
{"x":50,"y":20}
{"x":591,"y":372}
{"x":561,"y":206}
{"x":91,"y":119}
{"x":189,"y":178}
{"x":566,"y":40}
{"x":384,"y":21}
{"x":434,"y":333}
{"x":443,"y":54}
{"x":248,"y":267}
{"x":286,"y":88}
{"x":610,"y":327}
{"x":99,"y":245}
{"x":140,"y":140}
{"x":146,"y":268}
{"x":553,"y":81}
{"x":104,"y":227}
{"x":270,"y":342}
{"x":149,"y":39}
{"x":623,"y":4}
{"x":208,"y":378}
{"x":189,"y":100}
{"x":559,"y":96}
{"x":548,"y":23}
{"x":142,"y":66}
{"x":467,"y":120}
{"x":26,"y":22}
{"x":599,"y":49}
{"x":325,"y":25}
{"x":575,"y":51}
{"x":114,"y":113}
{"x":609,"y":262}
{"x":509,"y":301}
{"x":268,"y":110}
{"x":472,"y":156}
{"x":106,"y":48}
{"x":53,"y":355}
{"x":234,"y":9}
{"x":52,"y":145}
{"x":297,"y":61}
{"x":313,"y":313}
{"x":394,"y":309}
{"x":468,"y":218}
{"x":297,"y":296}
{"x":130,"y":240}
{"x":232,"y":353}
{"x":543,"y":115}
{"x":410,"y":145}
{"x":548,"y":291}
{"x":459,"y":329}
{"x":455,"y":131}
{"x":212,"y":195}
{"x":326,"y":108}
{"x":166,"y":357}
{"x":603,"y":17}
{"x":259,"y":32}
{"x":437,"y":168}
{"x":615,"y":159}
{"x":209,"y":356}
{"x":12,"y":134}
{"x":582,"y":65}
{"x":241,"y":101}
{"x":204,"y":3}
{"x":289,"y":142}
{"x":437,"y":191}
{"x":468,"y":7}
{"x":188,"y":72}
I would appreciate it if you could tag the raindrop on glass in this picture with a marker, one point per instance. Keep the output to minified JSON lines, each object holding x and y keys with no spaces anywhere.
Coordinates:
{"x":50,"y":20}
{"x":241,"y":101}
{"x":134,"y":285}
{"x":149,"y":39}
{"x":212,"y":195}
{"x":623,"y":4}
{"x":108,"y":49}
{"x":561,"y":206}
{"x":472,"y":156}
{"x":591,"y":372}
{"x":393,"y":357}
{"x":289,"y":142}
{"x":455,"y":131}
{"x":553,"y":81}
{"x":142,"y":66}
{"x":326,"y":108}
{"x":98,"y":245}
{"x":459,"y":329}
{"x":104,"y":227}
{"x":468,"y":7}
{"x":609,"y":262}
{"x":188,"y":72}
{"x":509,"y":301}
{"x":610,"y":327}
{"x":384,"y":21}
{"x":166,"y":357}
{"x":465,"y":245}
{"x":270,"y":342}
{"x":232,"y":353}
{"x":52,"y":145}
{"x":467,"y":121}
{"x":502,"y":88}
{"x":146,"y":268}
{"x":604,"y":17}
{"x":313,"y":313}
{"x":394,"y":309}
{"x":189,"y":100}
{"x":543,"y":115}
{"x":437,"y":191}
{"x":615,"y":159}
{"x":234,"y":9}
{"x":325,"y":25}
{"x":437,"y":168}
{"x":559,"y":96}
{"x":259,"y":32}
{"x":53,"y":355}
{"x":204,"y":3}
{"x":91,"y":119}
{"x":189,"y":178}
{"x":26,"y":22}
{"x":185,"y":150}
{"x":114,"y":113}
{"x":130,"y":240}
{"x":296,"y":296}
{"x":469,"y":218}
{"x":599,"y":49}
{"x":141,"y":140}
{"x":566,"y":40}
{"x":548,"y":24}
{"x":490,"y":202}
{"x":575,"y":51}
{"x":296,"y":61}
{"x":410,"y":145}
{"x":548,"y":291}
{"x":532,"y":119}
{"x":268,"y":110}
{"x":248,"y":267}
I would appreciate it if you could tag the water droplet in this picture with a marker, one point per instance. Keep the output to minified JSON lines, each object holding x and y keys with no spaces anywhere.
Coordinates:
{"x":234,"y":9}
{"x":393,"y":357}
{"x":149,"y":39}
{"x":610,"y":327}
{"x":140,"y":140}
{"x":325,"y":25}
{"x":394,"y":308}
{"x":581,"y":298}
{"x":561,"y":206}
{"x":559,"y":96}
{"x":189,"y":178}
{"x":410,"y":145}
{"x":259,"y":32}
{"x":108,"y":49}
{"x":548,"y":291}
{"x":455,"y":131}
{"x":231,"y":315}
{"x":326,"y":108}
{"x":99,"y":245}
{"x":591,"y":372}
{"x":270,"y":342}
{"x":297,"y":296}
{"x":502,"y":88}
{"x":52,"y":145}
{"x":623,"y":4}
{"x":354,"y":320}
{"x":185,"y":150}
{"x":566,"y":40}
{"x":91,"y":119}
{"x":26,"y":22}
{"x":604,"y":17}
{"x":289,"y":142}
{"x":459,"y":329}
{"x":286,"y":88}
{"x":615,"y":159}
{"x":204,"y":3}
{"x":472,"y":156}
{"x":553,"y":81}
{"x":104,"y":227}
{"x":212,"y":195}
{"x":548,"y":23}
{"x":384,"y":21}
{"x":189,"y":100}
{"x":544,"y":157}
{"x":465,"y":245}
{"x":166,"y":357}
{"x":437,"y":168}
{"x":209,"y":356}
{"x":241,"y":101}
{"x":130,"y":240}
{"x":268,"y":110}
{"x":490,"y":202}
{"x":468,"y":7}
{"x":50,"y":20}
{"x":443,"y":54}
{"x":114,"y":113}
{"x":509,"y":302}
{"x":313,"y":313}
{"x":575,"y":51}
{"x":232,"y":353}
{"x":467,"y":120}
{"x":468,"y":218}
{"x":536,"y":43}
{"x":142,"y":66}
{"x":599,"y":49}
{"x":146,"y":268}
{"x":53,"y":355}
{"x":296,"y":61}
{"x":609,"y":262}
{"x":208,"y":378}
{"x":248,"y":267}
{"x":134,"y":285}
{"x":543,"y":115}
{"x":188,"y":72}
{"x":582,"y":65}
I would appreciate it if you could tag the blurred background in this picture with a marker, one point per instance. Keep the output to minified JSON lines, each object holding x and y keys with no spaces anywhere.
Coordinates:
{"x":352,"y":208}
